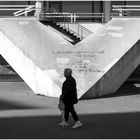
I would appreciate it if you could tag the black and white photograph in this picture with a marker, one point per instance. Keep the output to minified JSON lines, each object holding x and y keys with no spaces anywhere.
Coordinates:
{"x":69,"y":69}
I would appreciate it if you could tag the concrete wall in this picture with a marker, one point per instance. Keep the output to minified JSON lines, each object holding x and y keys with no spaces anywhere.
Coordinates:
{"x":116,"y":76}
{"x":35,"y":78}
{"x":40,"y":55}
{"x":122,"y":52}
{"x":28,"y":46}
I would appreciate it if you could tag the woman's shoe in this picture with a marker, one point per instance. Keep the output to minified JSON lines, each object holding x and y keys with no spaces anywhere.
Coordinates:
{"x":64,"y":124}
{"x":77,"y":124}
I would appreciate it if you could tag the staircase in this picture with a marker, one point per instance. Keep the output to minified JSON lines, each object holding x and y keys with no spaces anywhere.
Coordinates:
{"x":64,"y":31}
{"x":61,"y":23}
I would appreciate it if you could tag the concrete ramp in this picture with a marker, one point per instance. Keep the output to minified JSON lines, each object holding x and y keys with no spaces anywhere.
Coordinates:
{"x":28,"y":46}
{"x":116,"y":54}
{"x":100,"y":63}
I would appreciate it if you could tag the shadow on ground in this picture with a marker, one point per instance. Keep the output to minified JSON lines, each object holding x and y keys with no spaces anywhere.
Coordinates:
{"x":121,"y":125}
{"x":14,"y":105}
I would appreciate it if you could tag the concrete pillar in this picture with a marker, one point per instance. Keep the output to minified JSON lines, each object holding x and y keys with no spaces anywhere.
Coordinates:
{"x":38,"y":6}
{"x":107,"y":10}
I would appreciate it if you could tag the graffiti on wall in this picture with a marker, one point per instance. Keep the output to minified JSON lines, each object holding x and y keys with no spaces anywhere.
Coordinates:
{"x":81,"y":61}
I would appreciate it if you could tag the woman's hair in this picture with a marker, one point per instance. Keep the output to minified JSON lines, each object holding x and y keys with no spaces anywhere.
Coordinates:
{"x":68,"y":71}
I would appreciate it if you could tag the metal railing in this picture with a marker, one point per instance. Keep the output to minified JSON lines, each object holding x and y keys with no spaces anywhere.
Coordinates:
{"x":24,"y":9}
{"x":76,"y":17}
{"x":87,"y":17}
{"x":125,"y":10}
{"x":64,"y":21}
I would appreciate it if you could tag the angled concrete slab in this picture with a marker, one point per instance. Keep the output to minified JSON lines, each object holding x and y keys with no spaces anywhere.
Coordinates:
{"x":28,"y":47}
{"x":100,"y":63}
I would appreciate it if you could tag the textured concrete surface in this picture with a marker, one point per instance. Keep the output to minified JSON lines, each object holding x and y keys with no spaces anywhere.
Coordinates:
{"x":27,"y":46}
{"x":113,"y":66}
{"x":26,"y":115}
{"x":47,"y":54}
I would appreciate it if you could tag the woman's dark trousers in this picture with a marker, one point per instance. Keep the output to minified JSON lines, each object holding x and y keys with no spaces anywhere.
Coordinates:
{"x":70,"y":109}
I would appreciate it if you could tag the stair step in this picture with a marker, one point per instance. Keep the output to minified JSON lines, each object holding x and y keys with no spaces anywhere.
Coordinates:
{"x":72,"y":35}
{"x":78,"y":39}
{"x":65,"y":30}
{"x":75,"y":36}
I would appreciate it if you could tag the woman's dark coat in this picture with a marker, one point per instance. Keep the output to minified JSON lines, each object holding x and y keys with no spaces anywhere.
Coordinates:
{"x":69,"y":91}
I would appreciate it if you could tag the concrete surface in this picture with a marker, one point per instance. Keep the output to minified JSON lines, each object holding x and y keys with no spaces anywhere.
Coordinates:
{"x":94,"y":27}
{"x":26,"y":115}
{"x":39,"y":55}
{"x":117,"y":55}
{"x":27,"y":46}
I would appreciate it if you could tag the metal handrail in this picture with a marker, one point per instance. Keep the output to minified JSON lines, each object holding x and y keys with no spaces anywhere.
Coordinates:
{"x":55,"y":16}
{"x":24,"y":11}
{"x":11,"y":6}
{"x":126,"y":9}
{"x":118,"y":10}
{"x":77,"y":16}
{"x":21,"y":9}
{"x":125,"y":6}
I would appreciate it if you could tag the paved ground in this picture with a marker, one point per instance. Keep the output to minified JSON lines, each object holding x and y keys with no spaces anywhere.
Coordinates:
{"x":26,"y":115}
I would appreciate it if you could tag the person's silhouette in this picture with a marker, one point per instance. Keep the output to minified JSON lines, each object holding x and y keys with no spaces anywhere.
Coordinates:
{"x":69,"y":97}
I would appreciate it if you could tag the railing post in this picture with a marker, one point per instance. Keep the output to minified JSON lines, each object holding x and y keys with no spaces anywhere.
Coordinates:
{"x":38,"y":10}
{"x":81,"y":33}
{"x":78,"y":30}
{"x":102,"y":17}
{"x":74,"y":15}
{"x":26,"y":13}
{"x":120,"y":14}
{"x":71,"y":18}
{"x":64,"y":23}
{"x":68,"y":27}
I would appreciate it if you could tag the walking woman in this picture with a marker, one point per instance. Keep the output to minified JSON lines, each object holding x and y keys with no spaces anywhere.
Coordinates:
{"x":69,"y":98}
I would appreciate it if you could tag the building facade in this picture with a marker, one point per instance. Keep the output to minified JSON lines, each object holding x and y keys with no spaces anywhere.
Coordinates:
{"x":85,"y":11}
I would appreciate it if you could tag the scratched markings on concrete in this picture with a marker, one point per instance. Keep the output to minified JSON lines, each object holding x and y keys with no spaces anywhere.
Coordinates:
{"x":81,"y":61}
